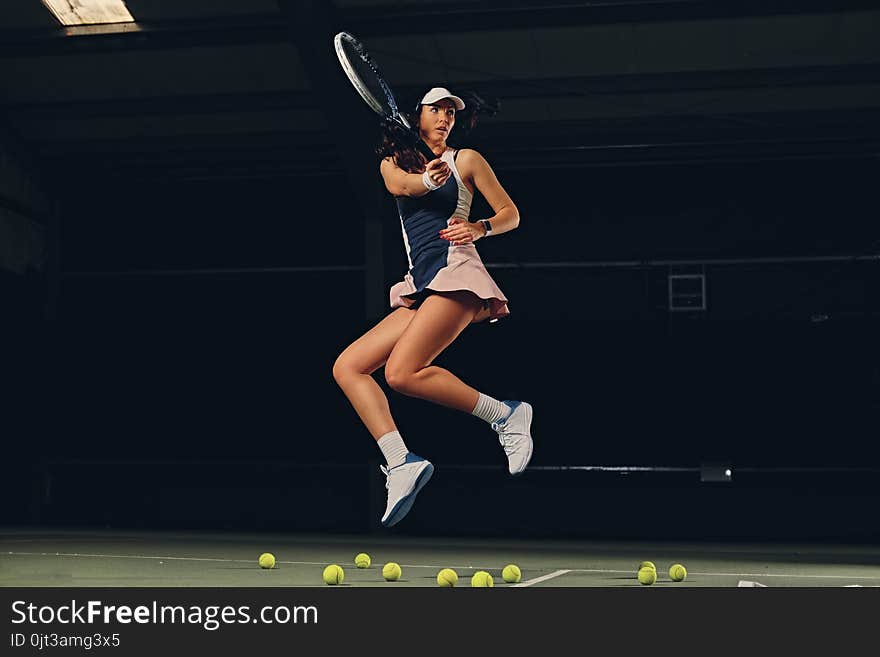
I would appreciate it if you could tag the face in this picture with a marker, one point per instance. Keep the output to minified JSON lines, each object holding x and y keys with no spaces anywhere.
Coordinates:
{"x":436,"y":121}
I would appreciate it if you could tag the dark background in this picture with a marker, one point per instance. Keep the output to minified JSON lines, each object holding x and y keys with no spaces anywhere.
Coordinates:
{"x":214,"y":234}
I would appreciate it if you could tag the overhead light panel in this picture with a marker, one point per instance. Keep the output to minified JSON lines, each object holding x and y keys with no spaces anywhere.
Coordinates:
{"x":89,"y":12}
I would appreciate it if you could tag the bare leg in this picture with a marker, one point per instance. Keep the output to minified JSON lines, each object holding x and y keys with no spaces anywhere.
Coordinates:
{"x":355,"y":365}
{"x":437,"y":322}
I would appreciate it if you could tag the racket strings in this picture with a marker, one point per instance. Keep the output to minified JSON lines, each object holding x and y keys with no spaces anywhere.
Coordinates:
{"x":369,"y":75}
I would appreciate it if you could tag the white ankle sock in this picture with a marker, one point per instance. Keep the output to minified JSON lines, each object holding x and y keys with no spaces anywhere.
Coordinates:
{"x":490,"y":410}
{"x":393,"y":448}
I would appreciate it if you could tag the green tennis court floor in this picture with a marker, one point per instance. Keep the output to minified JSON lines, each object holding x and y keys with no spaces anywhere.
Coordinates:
{"x":86,"y":558}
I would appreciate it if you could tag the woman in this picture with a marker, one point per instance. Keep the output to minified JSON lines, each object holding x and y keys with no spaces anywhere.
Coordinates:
{"x":446,"y":288}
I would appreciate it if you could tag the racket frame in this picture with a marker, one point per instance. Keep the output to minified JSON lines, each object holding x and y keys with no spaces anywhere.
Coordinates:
{"x":366,"y":94}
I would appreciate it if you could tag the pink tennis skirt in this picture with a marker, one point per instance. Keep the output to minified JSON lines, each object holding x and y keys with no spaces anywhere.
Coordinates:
{"x":464,"y":270}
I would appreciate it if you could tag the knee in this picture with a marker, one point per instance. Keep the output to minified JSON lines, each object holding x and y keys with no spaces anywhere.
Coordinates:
{"x":342,"y":370}
{"x":400,"y":379}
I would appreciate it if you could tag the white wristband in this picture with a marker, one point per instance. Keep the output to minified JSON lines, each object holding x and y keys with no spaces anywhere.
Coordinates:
{"x":427,"y":182}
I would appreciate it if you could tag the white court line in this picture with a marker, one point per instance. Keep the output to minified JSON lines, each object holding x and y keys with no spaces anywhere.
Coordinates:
{"x":543,"y":578}
{"x":870,"y":577}
{"x":214,"y":559}
{"x":125,"y":556}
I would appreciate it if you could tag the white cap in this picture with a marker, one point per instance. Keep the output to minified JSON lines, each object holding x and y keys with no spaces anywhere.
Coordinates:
{"x":439,"y":93}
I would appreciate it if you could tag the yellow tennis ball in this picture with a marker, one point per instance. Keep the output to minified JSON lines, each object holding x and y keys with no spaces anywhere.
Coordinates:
{"x":511,"y":573}
{"x":677,"y":572}
{"x":648,"y":564}
{"x":333,"y":575}
{"x":391,"y":571}
{"x":647,"y":576}
{"x":447,"y":578}
{"x":482,"y":579}
{"x":267,"y":560}
{"x":362,"y":560}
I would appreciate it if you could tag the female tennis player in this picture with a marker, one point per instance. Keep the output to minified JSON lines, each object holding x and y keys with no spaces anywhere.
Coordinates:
{"x":446,"y":288}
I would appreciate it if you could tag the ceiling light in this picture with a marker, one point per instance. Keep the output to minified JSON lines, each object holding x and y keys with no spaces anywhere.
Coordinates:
{"x":89,"y":12}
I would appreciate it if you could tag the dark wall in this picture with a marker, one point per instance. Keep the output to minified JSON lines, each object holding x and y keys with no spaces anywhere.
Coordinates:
{"x":781,"y":370}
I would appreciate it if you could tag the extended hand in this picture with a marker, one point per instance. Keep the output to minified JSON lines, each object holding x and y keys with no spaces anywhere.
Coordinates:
{"x":438,"y":171}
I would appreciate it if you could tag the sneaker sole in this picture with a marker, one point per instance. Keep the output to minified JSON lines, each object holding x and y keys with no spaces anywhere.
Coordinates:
{"x":405,"y":504}
{"x":528,"y":408}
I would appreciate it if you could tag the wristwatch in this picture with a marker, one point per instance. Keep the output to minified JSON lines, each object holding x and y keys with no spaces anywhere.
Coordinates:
{"x":486,"y":225}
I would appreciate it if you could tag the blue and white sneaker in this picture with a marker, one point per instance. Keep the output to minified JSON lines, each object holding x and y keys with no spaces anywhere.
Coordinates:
{"x":515,"y":436}
{"x":404,"y":482}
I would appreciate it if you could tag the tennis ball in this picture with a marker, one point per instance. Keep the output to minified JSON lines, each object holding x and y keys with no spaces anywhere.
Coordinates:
{"x":511,"y":573}
{"x":267,"y":560}
{"x":447,"y":578}
{"x":677,"y":572}
{"x":391,"y":572}
{"x":333,"y":575}
{"x":648,"y":564}
{"x":362,"y":560}
{"x":482,"y":579}
{"x":647,"y":576}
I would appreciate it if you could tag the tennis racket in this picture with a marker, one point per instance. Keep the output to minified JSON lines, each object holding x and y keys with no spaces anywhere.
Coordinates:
{"x":363,"y":72}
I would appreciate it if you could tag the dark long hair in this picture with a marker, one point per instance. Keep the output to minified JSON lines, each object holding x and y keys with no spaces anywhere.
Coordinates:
{"x":400,"y":144}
